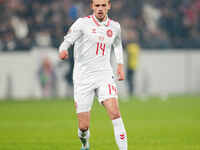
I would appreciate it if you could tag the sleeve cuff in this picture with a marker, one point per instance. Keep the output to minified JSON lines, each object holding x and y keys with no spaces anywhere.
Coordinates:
{"x":64,"y":46}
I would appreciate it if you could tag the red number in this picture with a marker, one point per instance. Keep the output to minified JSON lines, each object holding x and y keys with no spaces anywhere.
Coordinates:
{"x":112,"y":88}
{"x":102,"y":47}
{"x":109,"y":87}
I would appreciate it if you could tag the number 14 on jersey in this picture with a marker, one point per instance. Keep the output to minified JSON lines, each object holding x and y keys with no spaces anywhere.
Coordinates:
{"x":100,"y":48}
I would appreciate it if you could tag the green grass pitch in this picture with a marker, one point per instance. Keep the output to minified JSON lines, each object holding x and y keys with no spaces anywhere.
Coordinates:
{"x":173,"y":124}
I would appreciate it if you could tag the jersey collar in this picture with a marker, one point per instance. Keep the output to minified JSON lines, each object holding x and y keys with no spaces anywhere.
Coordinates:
{"x":98,"y":23}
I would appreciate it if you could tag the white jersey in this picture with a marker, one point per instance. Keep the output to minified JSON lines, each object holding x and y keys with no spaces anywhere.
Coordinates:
{"x":93,"y":42}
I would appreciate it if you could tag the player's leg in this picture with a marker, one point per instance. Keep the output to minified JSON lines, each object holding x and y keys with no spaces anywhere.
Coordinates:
{"x":111,"y":105}
{"x":83,"y":130}
{"x":83,"y":100}
{"x":107,"y":95}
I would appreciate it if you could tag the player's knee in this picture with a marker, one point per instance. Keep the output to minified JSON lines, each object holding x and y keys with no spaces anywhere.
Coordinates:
{"x":115,"y":115}
{"x":84,"y":126}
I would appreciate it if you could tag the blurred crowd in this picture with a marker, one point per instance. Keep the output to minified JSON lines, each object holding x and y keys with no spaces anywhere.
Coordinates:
{"x":153,"y":24}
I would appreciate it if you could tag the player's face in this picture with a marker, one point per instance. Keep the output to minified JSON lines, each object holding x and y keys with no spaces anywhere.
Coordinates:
{"x":100,"y":8}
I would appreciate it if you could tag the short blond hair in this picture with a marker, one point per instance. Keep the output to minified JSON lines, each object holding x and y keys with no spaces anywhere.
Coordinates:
{"x":91,"y":1}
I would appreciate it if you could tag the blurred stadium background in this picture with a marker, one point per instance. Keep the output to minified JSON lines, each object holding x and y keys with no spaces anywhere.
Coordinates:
{"x":167,"y":32}
{"x":161,"y":41}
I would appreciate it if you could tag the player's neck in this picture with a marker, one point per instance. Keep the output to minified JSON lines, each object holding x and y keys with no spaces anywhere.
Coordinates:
{"x":102,"y":20}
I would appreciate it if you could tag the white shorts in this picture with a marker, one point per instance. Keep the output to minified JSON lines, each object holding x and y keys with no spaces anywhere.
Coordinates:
{"x":84,"y":92}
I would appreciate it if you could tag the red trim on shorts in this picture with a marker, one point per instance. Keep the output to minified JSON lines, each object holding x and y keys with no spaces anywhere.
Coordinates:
{"x":109,"y":86}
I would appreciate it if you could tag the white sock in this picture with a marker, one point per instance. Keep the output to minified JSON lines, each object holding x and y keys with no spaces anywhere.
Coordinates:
{"x":84,"y":137}
{"x":120,"y":134}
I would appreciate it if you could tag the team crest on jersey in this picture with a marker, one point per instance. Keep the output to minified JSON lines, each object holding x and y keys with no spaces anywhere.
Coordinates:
{"x":109,"y":33}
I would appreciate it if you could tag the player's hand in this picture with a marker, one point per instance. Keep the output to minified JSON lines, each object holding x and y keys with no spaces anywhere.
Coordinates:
{"x":63,"y":55}
{"x":120,"y":72}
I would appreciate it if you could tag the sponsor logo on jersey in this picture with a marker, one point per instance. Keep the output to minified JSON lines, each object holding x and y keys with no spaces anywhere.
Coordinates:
{"x":109,"y":33}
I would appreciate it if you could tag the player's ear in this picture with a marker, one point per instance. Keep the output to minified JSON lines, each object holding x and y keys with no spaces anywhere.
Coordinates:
{"x":91,"y":4}
{"x":109,"y":5}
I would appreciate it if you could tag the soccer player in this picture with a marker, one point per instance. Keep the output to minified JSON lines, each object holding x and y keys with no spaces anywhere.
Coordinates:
{"x":94,"y":37}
